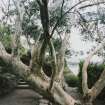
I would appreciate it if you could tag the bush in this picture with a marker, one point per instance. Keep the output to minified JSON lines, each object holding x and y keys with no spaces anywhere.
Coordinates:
{"x":7,"y":83}
{"x":94,"y":71}
{"x":72,"y":80}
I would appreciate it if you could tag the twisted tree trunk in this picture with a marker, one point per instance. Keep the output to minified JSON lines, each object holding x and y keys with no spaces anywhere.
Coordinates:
{"x":38,"y":83}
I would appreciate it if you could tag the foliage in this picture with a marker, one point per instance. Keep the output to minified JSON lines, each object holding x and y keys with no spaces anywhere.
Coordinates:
{"x":72,"y":80}
{"x":22,"y":51}
{"x":55,"y":15}
{"x":94,"y":71}
{"x":30,"y":24}
{"x":7,"y":83}
{"x":8,"y":80}
{"x":5,"y":36}
{"x":4,"y":30}
{"x":57,"y":44}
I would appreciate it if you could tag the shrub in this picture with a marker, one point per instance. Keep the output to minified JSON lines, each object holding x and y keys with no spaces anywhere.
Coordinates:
{"x":72,"y":80}
{"x":94,"y":71}
{"x":7,"y":83}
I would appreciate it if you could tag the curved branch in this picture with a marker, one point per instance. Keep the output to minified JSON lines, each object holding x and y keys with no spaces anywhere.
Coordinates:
{"x":54,"y":64}
{"x":61,"y":56}
{"x":85,"y":66}
{"x":99,"y":85}
{"x":59,"y":19}
{"x":90,"y":5}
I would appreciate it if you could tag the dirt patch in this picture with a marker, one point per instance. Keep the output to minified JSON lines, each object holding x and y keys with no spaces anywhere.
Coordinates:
{"x":21,"y":97}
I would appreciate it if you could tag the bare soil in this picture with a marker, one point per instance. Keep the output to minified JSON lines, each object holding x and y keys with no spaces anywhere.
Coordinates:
{"x":20,"y":97}
{"x":29,"y":97}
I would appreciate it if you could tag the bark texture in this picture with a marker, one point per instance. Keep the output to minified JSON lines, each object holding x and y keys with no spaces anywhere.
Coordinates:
{"x":91,"y":94}
{"x":39,"y":84}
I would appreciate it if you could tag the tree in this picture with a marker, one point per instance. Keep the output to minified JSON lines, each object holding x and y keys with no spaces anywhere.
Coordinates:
{"x":53,"y":88}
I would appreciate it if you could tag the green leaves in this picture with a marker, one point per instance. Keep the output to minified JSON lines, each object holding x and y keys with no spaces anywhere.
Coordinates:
{"x":5,"y":36}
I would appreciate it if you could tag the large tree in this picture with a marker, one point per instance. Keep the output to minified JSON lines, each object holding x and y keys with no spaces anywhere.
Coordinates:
{"x":54,"y":87}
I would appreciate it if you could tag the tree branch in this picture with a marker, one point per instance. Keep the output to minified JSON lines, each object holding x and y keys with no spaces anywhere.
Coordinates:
{"x":63,"y":1}
{"x":85,"y":65}
{"x":54,"y":64}
{"x":90,"y":5}
{"x":99,"y":85}
{"x":58,"y":21}
{"x":61,"y":56}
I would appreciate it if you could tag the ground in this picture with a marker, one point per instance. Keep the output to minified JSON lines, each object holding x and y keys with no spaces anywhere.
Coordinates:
{"x":28,"y":97}
{"x":21,"y":97}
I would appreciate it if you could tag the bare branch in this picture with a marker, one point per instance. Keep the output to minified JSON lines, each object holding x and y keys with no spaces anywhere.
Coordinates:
{"x":58,"y":21}
{"x":62,"y":7}
{"x":5,"y":10}
{"x":3,"y":3}
{"x":90,"y":5}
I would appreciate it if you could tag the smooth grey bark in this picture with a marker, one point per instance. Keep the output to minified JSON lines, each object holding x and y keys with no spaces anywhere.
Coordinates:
{"x":57,"y":94}
{"x":91,"y":94}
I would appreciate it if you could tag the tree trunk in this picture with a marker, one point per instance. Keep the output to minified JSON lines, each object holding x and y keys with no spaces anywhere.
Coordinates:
{"x":57,"y":93}
{"x":91,"y":94}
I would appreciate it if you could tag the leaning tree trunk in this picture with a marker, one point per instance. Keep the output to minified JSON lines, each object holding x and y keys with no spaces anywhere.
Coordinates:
{"x":39,"y":81}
